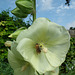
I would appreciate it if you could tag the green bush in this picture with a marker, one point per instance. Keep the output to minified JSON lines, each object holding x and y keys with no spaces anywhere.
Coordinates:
{"x":5,"y":69}
{"x":7,"y":26}
{"x":68,"y":67}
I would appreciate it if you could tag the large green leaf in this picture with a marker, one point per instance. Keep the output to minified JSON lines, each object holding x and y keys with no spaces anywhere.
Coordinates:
{"x":17,"y":12}
{"x":25,"y":6}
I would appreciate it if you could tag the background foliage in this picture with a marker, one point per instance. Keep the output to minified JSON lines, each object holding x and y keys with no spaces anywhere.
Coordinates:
{"x":68,"y":67}
{"x":7,"y":26}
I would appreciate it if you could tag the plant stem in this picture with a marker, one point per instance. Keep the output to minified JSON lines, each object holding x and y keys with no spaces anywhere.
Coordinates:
{"x":34,"y":13}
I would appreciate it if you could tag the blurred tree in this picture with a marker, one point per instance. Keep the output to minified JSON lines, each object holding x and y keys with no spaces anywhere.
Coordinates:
{"x":7,"y":26}
{"x":72,"y":28}
{"x":4,"y":16}
{"x":68,"y":67}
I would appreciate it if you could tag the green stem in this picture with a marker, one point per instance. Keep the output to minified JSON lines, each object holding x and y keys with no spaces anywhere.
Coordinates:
{"x":34,"y":13}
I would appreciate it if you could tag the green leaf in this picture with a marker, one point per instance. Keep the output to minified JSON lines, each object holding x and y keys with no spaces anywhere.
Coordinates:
{"x":23,"y":0}
{"x":25,"y":6}
{"x":16,"y":33}
{"x":17,"y":12}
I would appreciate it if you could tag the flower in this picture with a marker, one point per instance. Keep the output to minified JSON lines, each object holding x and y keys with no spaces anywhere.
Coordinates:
{"x":44,"y":45}
{"x":20,"y":66}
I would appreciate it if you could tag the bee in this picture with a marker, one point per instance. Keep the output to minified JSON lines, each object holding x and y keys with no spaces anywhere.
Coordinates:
{"x":38,"y":48}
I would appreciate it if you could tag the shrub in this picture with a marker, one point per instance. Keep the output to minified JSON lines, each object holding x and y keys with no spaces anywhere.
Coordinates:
{"x":68,"y":67}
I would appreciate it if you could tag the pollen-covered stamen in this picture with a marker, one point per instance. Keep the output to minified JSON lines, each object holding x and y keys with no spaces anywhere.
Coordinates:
{"x":44,"y":49}
{"x":40,"y":47}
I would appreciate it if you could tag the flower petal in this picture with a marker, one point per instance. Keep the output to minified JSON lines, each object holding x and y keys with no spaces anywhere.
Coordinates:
{"x":14,"y":62}
{"x":60,"y":51}
{"x":18,"y":64}
{"x":26,"y":48}
{"x":59,"y":43}
{"x":14,"y":50}
{"x":29,"y":71}
{"x":38,"y":61}
{"x":55,"y":33}
{"x":52,"y":58}
{"x":37,"y":31}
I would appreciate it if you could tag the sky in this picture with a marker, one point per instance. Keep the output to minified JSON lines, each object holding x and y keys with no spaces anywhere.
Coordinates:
{"x":54,"y":10}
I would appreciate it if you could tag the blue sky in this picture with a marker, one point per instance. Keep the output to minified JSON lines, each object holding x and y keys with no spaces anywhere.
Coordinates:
{"x":55,"y":10}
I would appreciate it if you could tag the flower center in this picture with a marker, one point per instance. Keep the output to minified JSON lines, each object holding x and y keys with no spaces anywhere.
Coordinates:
{"x":40,"y":47}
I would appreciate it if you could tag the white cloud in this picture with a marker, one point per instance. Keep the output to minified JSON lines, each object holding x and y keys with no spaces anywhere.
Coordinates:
{"x":46,"y":4}
{"x":61,"y":8}
{"x":72,"y":6}
{"x":72,"y":24}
